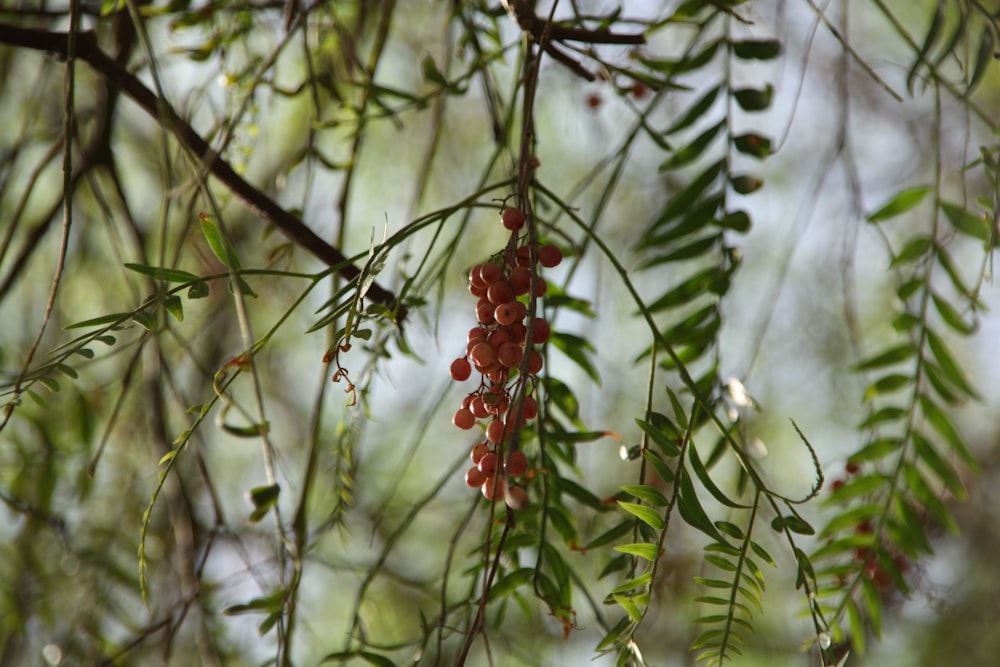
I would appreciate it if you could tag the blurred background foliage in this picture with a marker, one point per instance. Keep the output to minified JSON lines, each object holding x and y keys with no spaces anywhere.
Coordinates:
{"x":830,"y":249}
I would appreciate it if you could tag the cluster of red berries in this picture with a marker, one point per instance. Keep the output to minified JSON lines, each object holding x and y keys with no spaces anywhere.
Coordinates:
{"x":868,"y":556}
{"x":496,"y":349}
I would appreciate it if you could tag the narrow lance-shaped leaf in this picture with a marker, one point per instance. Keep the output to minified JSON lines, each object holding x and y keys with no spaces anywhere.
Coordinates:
{"x":901,"y":203}
{"x":220,"y":246}
{"x":160,"y":273}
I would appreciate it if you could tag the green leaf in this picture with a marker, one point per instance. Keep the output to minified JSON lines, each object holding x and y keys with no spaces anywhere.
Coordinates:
{"x":965,"y":222}
{"x":857,"y":625}
{"x":144,"y":320}
{"x":576,"y":348}
{"x":942,"y":468}
{"x":886,"y":385}
{"x":949,"y":367}
{"x":753,"y":144}
{"x":756,"y":49}
{"x":856,"y":487}
{"x":692,"y":512}
{"x":682,"y":202}
{"x":707,"y":281}
{"x":263,"y":499}
{"x":693,"y":150}
{"x":173,"y":305}
{"x":644,"y":513}
{"x":984,"y":58}
{"x":851,"y":519}
{"x":100,"y":321}
{"x":199,"y":290}
{"x":737,"y":221}
{"x":744,"y":184}
{"x":611,"y":535}
{"x":901,"y":203}
{"x":706,"y":480}
{"x":915,"y":249}
{"x":932,"y":32}
{"x":511,"y":582}
{"x":929,"y":497}
{"x":696,"y":112}
{"x":220,"y":246}
{"x":68,"y":371}
{"x":882,"y":415}
{"x":754,"y":99}
{"x":160,"y":273}
{"x":647,"y":551}
{"x":431,"y":72}
{"x":251,"y":431}
{"x":663,"y":433}
{"x":634,"y":584}
{"x":730,"y":529}
{"x":876,"y":450}
{"x":951,"y":316}
{"x":798,"y":525}
{"x":695,"y":248}
{"x":674,"y":67}
{"x":647,"y":494}
{"x":890,"y":357}
{"x":658,"y":465}
{"x":946,"y":429}
{"x":632,"y":609}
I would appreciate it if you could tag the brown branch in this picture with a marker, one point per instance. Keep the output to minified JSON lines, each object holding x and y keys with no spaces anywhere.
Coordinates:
{"x":255,"y":200}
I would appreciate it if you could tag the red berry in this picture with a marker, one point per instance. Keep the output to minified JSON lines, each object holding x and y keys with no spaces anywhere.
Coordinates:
{"x":530,"y":410}
{"x":495,"y":431}
{"x":535,"y":362}
{"x":541,"y":287}
{"x":517,"y":464}
{"x":520,"y":280}
{"x":509,"y":354}
{"x":500,"y":292}
{"x":512,"y":219}
{"x":478,"y":452}
{"x":508,"y":313}
{"x":476,"y":333}
{"x":523,"y":256}
{"x":461,"y":369}
{"x":463,"y":419}
{"x":478,"y":408}
{"x":474,"y":478}
{"x":499,"y":337}
{"x":517,"y":332}
{"x":493,"y":487}
{"x":477,"y":289}
{"x":489,"y":273}
{"x":482,"y":355}
{"x":516,"y":497}
{"x":488,"y":464}
{"x":475,"y":277}
{"x":484,"y":313}
{"x":540,"y":331}
{"x":549,"y":256}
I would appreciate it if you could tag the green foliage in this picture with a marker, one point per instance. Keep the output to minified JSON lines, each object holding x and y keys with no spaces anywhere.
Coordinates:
{"x":276,"y":499}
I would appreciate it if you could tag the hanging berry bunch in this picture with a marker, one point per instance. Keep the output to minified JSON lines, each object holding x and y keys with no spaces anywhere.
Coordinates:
{"x":501,"y":350}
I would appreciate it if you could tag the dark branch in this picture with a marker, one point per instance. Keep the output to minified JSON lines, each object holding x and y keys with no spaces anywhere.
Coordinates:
{"x":255,"y":200}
